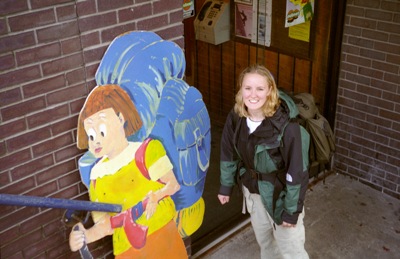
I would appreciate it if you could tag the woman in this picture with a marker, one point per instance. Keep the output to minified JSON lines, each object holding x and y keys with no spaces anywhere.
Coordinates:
{"x":272,"y":178}
{"x":127,"y":173}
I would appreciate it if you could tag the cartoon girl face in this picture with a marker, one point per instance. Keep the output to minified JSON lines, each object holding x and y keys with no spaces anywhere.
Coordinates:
{"x":105,"y":131}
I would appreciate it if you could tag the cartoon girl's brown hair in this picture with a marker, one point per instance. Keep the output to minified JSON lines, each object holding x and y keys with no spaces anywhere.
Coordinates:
{"x":104,"y":97}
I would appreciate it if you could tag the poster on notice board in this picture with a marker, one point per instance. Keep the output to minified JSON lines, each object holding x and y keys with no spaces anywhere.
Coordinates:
{"x":188,"y":8}
{"x":298,"y":12}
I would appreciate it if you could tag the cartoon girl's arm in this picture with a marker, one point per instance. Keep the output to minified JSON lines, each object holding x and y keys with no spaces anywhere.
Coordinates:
{"x":100,"y":229}
{"x":171,"y":187}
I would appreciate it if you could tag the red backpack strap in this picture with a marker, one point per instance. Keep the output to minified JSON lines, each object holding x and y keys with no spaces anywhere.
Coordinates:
{"x":140,"y":156}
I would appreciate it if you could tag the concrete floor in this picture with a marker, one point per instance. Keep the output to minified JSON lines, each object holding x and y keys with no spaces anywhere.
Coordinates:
{"x":344,"y":219}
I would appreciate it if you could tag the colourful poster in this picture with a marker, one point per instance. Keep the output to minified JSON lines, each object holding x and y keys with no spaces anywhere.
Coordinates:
{"x":298,"y":11}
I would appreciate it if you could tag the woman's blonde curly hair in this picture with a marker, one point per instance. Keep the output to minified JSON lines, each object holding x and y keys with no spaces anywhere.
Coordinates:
{"x":272,"y":103}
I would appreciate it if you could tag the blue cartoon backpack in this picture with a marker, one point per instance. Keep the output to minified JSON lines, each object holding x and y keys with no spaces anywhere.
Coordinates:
{"x":151,"y":71}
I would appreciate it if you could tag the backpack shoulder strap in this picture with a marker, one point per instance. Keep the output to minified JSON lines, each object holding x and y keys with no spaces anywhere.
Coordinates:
{"x":140,"y":158}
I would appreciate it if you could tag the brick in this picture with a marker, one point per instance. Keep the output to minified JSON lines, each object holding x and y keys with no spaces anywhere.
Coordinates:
{"x":52,"y":144}
{"x":345,"y":102}
{"x":67,"y":124}
{"x":10,"y":96}
{"x":63,"y":64}
{"x":388,"y":27}
{"x":385,"y":86}
{"x":19,"y":187}
{"x":349,"y":67}
{"x":57,"y":32}
{"x":56,"y":171}
{"x":66,"y":13}
{"x":47,"y":116}
{"x":135,"y":13}
{"x":23,"y":241}
{"x":66,"y":94}
{"x":153,"y":22}
{"x":108,"y":35}
{"x":54,"y":224}
{"x":380,"y":103}
{"x":63,"y":252}
{"x":44,"y":190}
{"x":361,"y":42}
{"x":367,"y":90}
{"x":358,"y":78}
{"x":66,"y":153}
{"x":375,"y":35}
{"x":9,"y":235}
{"x":392,"y":78}
{"x":170,"y":32}
{"x":357,"y":60}
{"x":87,"y":7}
{"x":392,"y":6}
{"x":366,"y":108}
{"x":106,"y":5}
{"x":367,"y":3}
{"x":97,"y":21}
{"x":394,"y":38}
{"x":90,"y":39}
{"x":389,"y":115}
{"x":44,"y":3}
{"x":75,"y":76}
{"x":12,"y":128}
{"x":8,"y":7}
{"x":354,"y":113}
{"x":67,"y":193}
{"x":28,"y":139}
{"x":387,"y":47}
{"x":385,"y":66}
{"x":94,"y":54}
{"x":354,"y":11}
{"x":376,"y":14}
{"x":378,"y":120}
{"x":167,"y":6}
{"x":176,"y":17}
{"x":3,"y":26}
{"x":362,"y":125}
{"x":372,"y":54}
{"x":31,"y":20}
{"x":39,"y":219}
{"x":351,"y":30}
{"x":17,"y":41}
{"x":376,"y":74}
{"x":23,"y":108}
{"x":70,"y":46}
{"x":7,"y":62}
{"x":11,"y":160}
{"x":69,"y":179}
{"x":363,"y":23}
{"x":30,"y":168}
{"x":19,"y":76}
{"x":43,"y":86}
{"x":4,"y":179}
{"x":41,"y":53}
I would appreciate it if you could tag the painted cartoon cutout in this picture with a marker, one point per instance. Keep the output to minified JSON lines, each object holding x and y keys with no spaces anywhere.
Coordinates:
{"x":148,"y":135}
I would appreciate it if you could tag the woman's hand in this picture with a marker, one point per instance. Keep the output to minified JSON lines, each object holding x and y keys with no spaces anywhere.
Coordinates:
{"x":77,"y":237}
{"x":288,"y":225}
{"x":223,"y":199}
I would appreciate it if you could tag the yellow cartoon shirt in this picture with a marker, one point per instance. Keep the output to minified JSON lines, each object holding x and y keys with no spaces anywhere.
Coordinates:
{"x":119,"y":181}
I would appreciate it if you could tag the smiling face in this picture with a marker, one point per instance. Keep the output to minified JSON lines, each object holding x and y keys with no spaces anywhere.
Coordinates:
{"x":255,"y":90}
{"x":106,"y":134}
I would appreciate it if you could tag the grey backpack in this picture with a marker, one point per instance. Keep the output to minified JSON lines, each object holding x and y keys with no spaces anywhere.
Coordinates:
{"x":322,"y":144}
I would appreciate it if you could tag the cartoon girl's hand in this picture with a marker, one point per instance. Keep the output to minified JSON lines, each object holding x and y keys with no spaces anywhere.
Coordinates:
{"x":77,"y":237}
{"x":151,"y":204}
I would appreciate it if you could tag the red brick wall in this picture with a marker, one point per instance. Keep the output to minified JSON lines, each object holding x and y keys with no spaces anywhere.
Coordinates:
{"x":368,"y":111}
{"x":49,"y":53}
